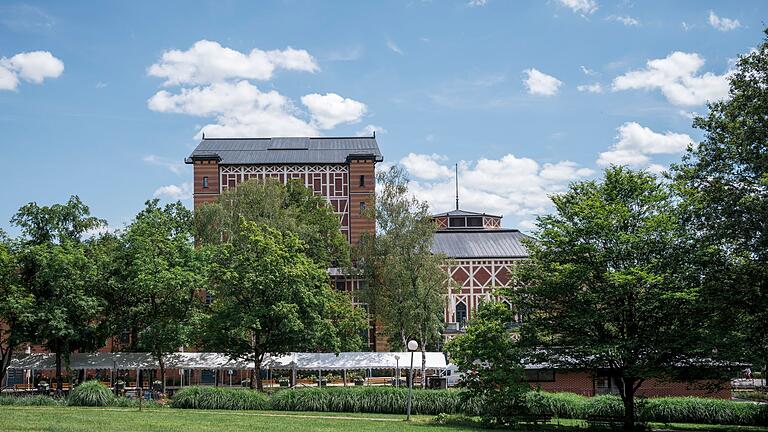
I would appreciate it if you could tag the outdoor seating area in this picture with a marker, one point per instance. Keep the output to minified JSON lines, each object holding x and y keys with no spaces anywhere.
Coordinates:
{"x":133,"y":371}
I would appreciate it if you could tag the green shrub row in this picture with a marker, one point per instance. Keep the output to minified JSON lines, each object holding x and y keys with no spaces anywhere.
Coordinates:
{"x":387,"y":400}
{"x":220,"y":398}
{"x":662,"y":410}
{"x":391,"y":400}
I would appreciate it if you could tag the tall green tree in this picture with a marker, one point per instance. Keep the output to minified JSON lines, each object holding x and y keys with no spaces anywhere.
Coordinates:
{"x":724,"y":184}
{"x":269,"y":298}
{"x":609,"y":286}
{"x":164,"y":276}
{"x":491,"y":362}
{"x":58,"y":271}
{"x":290,"y":208}
{"x":406,"y":281}
{"x":16,"y":304}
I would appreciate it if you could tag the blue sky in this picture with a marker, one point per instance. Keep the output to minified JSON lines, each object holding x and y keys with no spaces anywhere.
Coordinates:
{"x":104,"y":100}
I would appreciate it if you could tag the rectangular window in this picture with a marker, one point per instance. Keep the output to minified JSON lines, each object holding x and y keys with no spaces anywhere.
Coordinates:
{"x":362,"y":207}
{"x":457,"y":222}
{"x":362,"y":181}
{"x":475,"y":222}
{"x":540,"y":375}
{"x":205,"y":182}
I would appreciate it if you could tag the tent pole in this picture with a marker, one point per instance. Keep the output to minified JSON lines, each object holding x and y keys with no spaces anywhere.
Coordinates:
{"x":345,"y":377}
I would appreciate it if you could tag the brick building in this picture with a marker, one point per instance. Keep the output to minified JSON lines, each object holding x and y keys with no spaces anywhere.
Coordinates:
{"x":340,"y":169}
{"x":481,"y":254}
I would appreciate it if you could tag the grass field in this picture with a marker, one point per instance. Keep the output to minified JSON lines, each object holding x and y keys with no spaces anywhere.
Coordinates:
{"x":74,"y":419}
{"x":71,"y":419}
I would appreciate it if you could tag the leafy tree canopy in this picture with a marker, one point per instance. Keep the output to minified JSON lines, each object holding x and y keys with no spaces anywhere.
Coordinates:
{"x":270,"y":298}
{"x":608,"y":284}
{"x":724,"y":184}
{"x":291,"y":208}
{"x":491,"y":363}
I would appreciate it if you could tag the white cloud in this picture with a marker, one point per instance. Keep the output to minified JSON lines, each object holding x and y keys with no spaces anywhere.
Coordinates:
{"x":592,"y":88}
{"x":687,"y":26}
{"x":635,"y":142}
{"x":393,"y":47}
{"x":587,"y":71}
{"x":240,"y":109}
{"x":171,"y":165}
{"x":215,"y":82}
{"x":8,"y":79}
{"x":539,"y":83}
{"x":511,"y":186}
{"x":426,"y":167}
{"x":676,"y":77}
{"x":174,"y":192}
{"x":209,"y":62}
{"x":33,"y":66}
{"x":584,"y":7}
{"x":330,"y":109}
{"x":370,"y":129}
{"x":723,"y":24}
{"x":624,"y":19}
{"x":474,"y":3}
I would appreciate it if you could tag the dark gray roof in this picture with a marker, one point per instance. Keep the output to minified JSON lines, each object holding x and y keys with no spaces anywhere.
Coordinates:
{"x":459,"y":212}
{"x":499,"y":243}
{"x":278,"y":150}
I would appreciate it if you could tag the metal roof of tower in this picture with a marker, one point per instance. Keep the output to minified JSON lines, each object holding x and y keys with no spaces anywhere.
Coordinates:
{"x":496,"y":243}
{"x":286,"y":150}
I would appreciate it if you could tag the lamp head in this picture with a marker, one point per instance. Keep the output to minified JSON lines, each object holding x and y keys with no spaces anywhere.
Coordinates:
{"x":413,"y":345}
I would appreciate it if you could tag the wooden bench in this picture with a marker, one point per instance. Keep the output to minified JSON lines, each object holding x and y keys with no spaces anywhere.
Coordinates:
{"x":379,"y":380}
{"x":23,"y":387}
{"x":605,"y":421}
{"x":536,"y":418}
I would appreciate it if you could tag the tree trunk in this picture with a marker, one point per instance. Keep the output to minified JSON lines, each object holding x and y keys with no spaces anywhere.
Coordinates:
{"x":161,"y":363}
{"x":252,"y":383}
{"x":59,"y":382}
{"x":5,"y":360}
{"x":628,"y":397}
{"x":423,"y":367}
{"x":259,"y":384}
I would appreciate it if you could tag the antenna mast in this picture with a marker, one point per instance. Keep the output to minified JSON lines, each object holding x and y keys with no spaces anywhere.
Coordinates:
{"x":457,"y":186}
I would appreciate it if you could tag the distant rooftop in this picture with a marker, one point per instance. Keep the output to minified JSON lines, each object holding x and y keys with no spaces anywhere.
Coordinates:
{"x":459,"y":212}
{"x":286,"y":150}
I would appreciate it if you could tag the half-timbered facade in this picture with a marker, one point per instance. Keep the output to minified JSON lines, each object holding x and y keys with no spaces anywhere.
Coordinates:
{"x":481,"y":255}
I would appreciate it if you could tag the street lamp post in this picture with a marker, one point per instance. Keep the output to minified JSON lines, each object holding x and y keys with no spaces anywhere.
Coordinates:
{"x":397,"y":371}
{"x":412,"y":346}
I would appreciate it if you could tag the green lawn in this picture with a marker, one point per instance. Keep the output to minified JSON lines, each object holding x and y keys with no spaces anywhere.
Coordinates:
{"x":72,"y":419}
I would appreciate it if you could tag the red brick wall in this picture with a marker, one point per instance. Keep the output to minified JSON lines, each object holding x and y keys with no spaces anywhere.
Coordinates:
{"x":582,"y":383}
{"x":359,"y":224}
{"x":571,"y":382}
{"x":210,"y":169}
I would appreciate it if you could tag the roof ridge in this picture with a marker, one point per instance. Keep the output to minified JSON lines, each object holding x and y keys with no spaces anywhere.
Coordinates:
{"x":289,"y":137}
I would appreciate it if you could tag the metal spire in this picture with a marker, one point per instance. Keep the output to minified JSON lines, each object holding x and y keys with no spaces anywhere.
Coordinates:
{"x":457,"y":186}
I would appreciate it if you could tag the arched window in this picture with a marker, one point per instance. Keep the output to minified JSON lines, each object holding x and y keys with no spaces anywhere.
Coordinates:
{"x":461,"y":313}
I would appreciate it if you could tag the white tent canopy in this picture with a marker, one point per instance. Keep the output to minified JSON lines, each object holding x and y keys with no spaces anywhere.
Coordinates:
{"x":211,"y":360}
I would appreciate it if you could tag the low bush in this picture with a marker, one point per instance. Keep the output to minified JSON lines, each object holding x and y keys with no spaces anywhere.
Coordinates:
{"x":220,"y":398}
{"x":37,"y":400}
{"x":662,"y":410}
{"x":368,"y":399}
{"x":91,"y":393}
{"x":702,"y":410}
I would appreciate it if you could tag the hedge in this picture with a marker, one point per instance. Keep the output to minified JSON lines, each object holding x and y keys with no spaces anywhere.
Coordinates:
{"x":387,"y":400}
{"x":220,"y":398}
{"x":661,"y":410}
